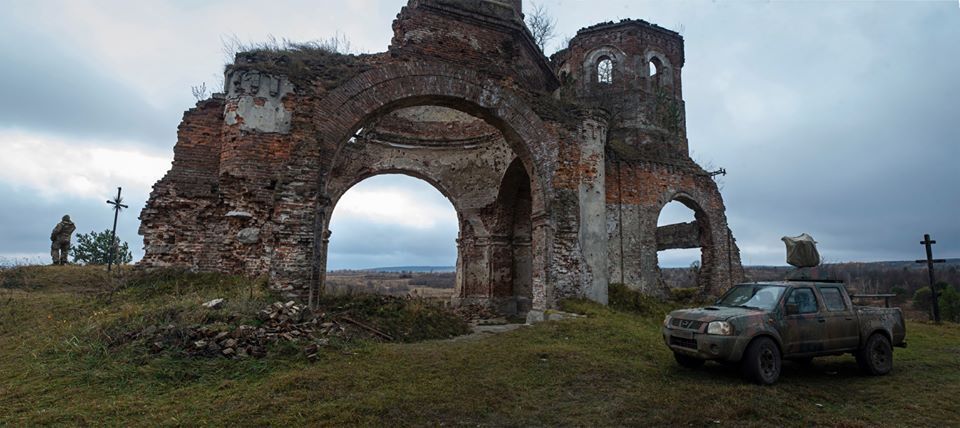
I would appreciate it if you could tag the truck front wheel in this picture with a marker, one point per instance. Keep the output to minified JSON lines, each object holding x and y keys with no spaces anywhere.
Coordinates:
{"x":876,"y":356}
{"x":761,"y":362}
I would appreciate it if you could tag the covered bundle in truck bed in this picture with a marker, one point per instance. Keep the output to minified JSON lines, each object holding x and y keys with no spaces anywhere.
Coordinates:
{"x":802,"y":251}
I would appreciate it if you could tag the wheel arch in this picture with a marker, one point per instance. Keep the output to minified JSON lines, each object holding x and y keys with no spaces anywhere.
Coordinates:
{"x":757,"y":336}
{"x":877,"y":330}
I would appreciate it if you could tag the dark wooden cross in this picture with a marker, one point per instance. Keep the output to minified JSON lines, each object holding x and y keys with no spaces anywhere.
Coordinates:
{"x":118,"y":205}
{"x":930,"y":261}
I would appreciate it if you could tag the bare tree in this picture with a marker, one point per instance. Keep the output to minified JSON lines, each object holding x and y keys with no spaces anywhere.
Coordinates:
{"x":199,"y":91}
{"x":541,"y":25}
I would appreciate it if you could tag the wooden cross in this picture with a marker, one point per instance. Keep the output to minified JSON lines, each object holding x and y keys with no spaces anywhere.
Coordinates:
{"x":118,"y":205}
{"x":930,"y":261}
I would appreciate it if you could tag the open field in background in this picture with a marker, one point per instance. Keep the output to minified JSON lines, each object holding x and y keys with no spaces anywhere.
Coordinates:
{"x":428,"y":285}
{"x":58,"y":366}
{"x":901,"y":278}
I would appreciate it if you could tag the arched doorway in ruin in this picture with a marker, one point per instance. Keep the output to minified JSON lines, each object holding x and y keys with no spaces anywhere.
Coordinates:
{"x":353,"y":110}
{"x":512,"y":258}
{"x":399,"y":223}
{"x":684,"y":236}
{"x":471,"y":163}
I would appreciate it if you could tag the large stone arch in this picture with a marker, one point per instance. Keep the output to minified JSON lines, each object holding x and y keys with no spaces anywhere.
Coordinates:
{"x":339,"y":114}
{"x":637,"y":193}
{"x":468,"y":175}
{"x":708,"y":231}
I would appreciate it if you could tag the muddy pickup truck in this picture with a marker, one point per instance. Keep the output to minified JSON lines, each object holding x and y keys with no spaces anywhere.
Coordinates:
{"x":760,"y":324}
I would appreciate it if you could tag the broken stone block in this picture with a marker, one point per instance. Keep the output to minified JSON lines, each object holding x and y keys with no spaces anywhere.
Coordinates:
{"x":214,"y":304}
{"x":239,"y":214}
{"x":250,"y":235}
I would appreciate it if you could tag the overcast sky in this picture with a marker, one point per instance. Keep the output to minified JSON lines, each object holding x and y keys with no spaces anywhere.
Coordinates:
{"x":839,"y":119}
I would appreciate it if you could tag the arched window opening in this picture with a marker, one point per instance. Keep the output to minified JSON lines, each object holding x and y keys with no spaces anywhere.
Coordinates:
{"x":679,"y":252}
{"x":605,"y":70}
{"x":655,"y":66}
{"x":393,"y":234}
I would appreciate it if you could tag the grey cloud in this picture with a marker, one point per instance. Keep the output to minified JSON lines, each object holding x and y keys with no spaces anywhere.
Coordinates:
{"x":356,"y":244}
{"x":866,"y":161}
{"x":49,"y":87}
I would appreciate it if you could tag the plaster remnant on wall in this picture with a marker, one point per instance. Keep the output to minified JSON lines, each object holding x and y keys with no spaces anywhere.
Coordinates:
{"x":255,"y":102}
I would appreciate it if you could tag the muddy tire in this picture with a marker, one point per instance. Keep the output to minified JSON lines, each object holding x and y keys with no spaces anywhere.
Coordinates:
{"x":688,"y":362}
{"x":761,"y":362}
{"x":876,"y":356}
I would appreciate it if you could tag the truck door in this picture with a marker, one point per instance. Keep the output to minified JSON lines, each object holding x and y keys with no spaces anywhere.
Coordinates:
{"x":803,"y":325}
{"x":842,"y":324}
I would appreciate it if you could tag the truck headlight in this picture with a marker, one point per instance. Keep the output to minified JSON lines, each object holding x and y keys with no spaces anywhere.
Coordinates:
{"x":666,"y":321}
{"x":721,"y":328}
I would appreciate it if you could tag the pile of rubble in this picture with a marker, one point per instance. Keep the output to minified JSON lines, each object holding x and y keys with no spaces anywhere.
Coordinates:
{"x":281,"y":322}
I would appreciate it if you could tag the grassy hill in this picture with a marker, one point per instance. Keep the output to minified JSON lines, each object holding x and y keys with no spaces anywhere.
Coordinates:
{"x":61,"y":362}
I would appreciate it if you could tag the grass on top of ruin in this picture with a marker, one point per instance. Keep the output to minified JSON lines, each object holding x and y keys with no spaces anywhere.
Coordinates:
{"x":58,"y":366}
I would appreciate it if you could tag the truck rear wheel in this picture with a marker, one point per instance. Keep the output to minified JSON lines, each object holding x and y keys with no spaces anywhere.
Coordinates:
{"x":688,"y":362}
{"x":761,"y":362}
{"x":876,"y":356}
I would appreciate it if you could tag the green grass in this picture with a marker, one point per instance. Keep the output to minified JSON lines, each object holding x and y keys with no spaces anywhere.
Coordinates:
{"x":610,"y":368}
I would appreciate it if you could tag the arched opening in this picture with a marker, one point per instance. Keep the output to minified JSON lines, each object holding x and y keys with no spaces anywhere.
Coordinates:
{"x":311,"y":174}
{"x":605,"y":70}
{"x":681,"y":241}
{"x":470,"y":161}
{"x":657,"y":71}
{"x":392,"y":234}
{"x":512,"y":258}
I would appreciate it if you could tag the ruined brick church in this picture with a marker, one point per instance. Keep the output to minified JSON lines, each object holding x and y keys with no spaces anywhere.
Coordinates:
{"x":557,"y":167}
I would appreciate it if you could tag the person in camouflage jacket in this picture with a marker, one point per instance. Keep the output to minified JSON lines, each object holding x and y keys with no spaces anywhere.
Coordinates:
{"x":60,"y":240}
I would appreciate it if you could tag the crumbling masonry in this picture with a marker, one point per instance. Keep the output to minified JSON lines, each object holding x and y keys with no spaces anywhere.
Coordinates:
{"x":558,"y":168}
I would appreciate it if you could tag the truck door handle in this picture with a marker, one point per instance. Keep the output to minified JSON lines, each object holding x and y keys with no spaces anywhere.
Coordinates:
{"x":849,"y":319}
{"x":821,"y":320}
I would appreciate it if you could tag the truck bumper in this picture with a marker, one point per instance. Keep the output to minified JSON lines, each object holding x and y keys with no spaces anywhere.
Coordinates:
{"x":703,"y":346}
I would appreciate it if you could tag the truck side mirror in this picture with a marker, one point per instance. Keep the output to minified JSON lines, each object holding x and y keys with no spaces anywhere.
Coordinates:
{"x":792,"y":309}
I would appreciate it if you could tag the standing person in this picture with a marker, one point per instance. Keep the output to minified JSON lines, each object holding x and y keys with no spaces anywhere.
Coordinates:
{"x":60,"y":240}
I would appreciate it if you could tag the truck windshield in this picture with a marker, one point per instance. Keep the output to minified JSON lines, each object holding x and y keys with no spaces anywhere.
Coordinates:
{"x":755,"y":296}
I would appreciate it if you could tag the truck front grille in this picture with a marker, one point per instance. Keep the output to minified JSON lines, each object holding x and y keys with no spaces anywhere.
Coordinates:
{"x":685,"y":343}
{"x":686,"y":324}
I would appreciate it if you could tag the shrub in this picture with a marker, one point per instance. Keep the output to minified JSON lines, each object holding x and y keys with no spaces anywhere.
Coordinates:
{"x":684,"y":295}
{"x":94,"y":249}
{"x":921,"y":299}
{"x":623,"y":298}
{"x":950,"y":304}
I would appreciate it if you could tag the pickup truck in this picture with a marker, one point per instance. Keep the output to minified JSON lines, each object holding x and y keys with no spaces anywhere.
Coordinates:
{"x":758,"y":325}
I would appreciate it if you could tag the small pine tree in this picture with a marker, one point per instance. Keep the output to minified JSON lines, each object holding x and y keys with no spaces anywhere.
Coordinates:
{"x":949,"y":303}
{"x":94,"y":249}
